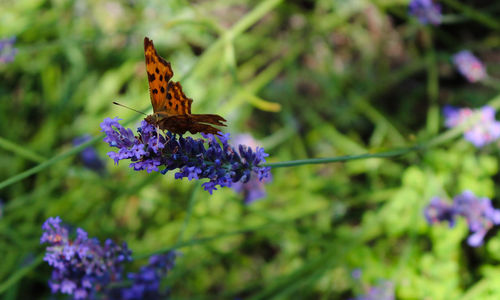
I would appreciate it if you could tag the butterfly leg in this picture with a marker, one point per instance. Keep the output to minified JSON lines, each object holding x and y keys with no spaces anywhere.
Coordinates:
{"x":158,"y":135}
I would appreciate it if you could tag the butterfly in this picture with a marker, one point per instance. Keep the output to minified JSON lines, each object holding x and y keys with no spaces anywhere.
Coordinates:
{"x":171,"y":107}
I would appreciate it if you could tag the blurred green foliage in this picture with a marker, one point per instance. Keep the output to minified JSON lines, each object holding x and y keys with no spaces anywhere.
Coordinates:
{"x":306,"y":78}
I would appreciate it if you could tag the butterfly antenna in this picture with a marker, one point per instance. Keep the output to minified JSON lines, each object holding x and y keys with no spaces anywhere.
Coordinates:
{"x":119,"y":104}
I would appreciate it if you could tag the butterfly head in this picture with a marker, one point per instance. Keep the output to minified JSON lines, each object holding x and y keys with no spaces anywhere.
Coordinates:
{"x":156,"y":118}
{"x":152,"y":119}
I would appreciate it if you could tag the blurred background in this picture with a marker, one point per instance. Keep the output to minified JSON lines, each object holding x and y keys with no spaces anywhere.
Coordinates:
{"x":304,"y":79}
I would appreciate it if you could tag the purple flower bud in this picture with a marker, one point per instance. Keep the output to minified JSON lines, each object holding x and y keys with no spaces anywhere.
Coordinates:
{"x":469,"y":66}
{"x":252,"y":187}
{"x":146,"y":283}
{"x":426,"y":11}
{"x":438,"y":211}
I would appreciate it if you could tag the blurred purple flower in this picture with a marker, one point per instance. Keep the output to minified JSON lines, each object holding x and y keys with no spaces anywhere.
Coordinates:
{"x":479,"y":213}
{"x":383,"y":291}
{"x":438,"y":211}
{"x":222,"y":164}
{"x":469,"y":66}
{"x":89,"y":155}
{"x":253,"y":189}
{"x":481,"y":216}
{"x":426,"y":11}
{"x":356,"y":273}
{"x":85,"y":269}
{"x":146,"y":283}
{"x":482,"y":132}
{"x":81,"y":266}
{"x":7,"y":50}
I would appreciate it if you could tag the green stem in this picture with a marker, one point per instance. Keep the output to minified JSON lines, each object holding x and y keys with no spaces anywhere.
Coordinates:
{"x":438,"y":140}
{"x":474,"y":14}
{"x":20,"y":274}
{"x":208,"y":57}
{"x":325,"y":160}
{"x":49,"y":162}
{"x":20,"y":150}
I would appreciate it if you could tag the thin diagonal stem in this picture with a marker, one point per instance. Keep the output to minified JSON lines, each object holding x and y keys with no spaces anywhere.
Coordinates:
{"x":20,"y":150}
{"x":325,"y":160}
{"x":49,"y":162}
{"x":438,"y":140}
{"x":474,"y":14}
{"x":20,"y":273}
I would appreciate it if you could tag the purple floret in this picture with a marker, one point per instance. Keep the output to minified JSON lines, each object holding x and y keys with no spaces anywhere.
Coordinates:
{"x":7,"y":50}
{"x":426,"y":11}
{"x":254,"y":188}
{"x":481,"y":132}
{"x":469,"y":66}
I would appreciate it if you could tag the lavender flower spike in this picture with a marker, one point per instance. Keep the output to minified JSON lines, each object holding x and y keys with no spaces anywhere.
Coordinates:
{"x":207,"y":158}
{"x":469,"y":66}
{"x":81,"y":266}
{"x":86,"y":270}
{"x":426,"y":11}
{"x":479,"y":213}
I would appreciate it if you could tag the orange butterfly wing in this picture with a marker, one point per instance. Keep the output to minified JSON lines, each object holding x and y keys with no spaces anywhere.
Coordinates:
{"x":161,"y":91}
{"x":169,"y":101}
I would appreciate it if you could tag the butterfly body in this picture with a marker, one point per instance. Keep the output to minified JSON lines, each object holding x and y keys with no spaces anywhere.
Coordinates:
{"x":171,"y":107}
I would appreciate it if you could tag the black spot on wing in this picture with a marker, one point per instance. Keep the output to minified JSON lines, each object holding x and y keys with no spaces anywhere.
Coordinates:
{"x":157,"y":71}
{"x":162,"y":89}
{"x":155,"y":91}
{"x":151,"y":77}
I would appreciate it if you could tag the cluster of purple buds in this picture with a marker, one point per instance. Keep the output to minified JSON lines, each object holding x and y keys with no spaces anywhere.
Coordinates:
{"x":87,"y":270}
{"x":7,"y":50}
{"x":145,"y":284}
{"x":479,"y":213}
{"x":207,"y":158}
{"x":254,"y":189}
{"x":469,"y":66}
{"x":482,"y":132}
{"x":426,"y":11}
{"x":81,"y":266}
